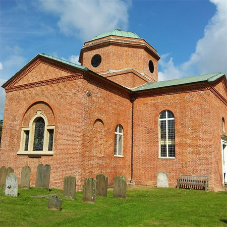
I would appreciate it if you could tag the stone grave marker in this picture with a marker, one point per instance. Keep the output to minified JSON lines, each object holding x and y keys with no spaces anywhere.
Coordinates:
{"x":70,"y":187}
{"x":89,"y":193}
{"x":25,"y":177}
{"x":43,"y":176}
{"x":11,"y":187}
{"x":162,"y":180}
{"x":119,"y":187}
{"x":54,"y":203}
{"x":101,"y":185}
{"x":3,"y":174}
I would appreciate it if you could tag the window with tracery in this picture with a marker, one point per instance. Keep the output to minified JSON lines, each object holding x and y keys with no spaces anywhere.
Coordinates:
{"x":118,"y":145}
{"x":38,"y":137}
{"x":166,"y":134}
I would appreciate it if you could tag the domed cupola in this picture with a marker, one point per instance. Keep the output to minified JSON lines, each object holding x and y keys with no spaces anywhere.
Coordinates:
{"x":122,"y":57}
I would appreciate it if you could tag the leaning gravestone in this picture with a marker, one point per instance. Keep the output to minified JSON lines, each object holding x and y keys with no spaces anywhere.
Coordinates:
{"x":162,"y":180}
{"x":11,"y":187}
{"x":54,"y":203}
{"x":3,"y":174}
{"x":101,"y":185}
{"x":43,"y":176}
{"x":119,"y":187}
{"x":89,"y":193}
{"x":70,"y":187}
{"x":25,"y":177}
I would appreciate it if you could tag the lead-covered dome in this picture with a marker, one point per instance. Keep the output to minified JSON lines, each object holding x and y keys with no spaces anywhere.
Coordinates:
{"x":117,"y":32}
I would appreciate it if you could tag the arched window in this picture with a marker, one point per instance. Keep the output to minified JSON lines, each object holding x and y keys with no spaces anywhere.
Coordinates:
{"x":39,"y":134}
{"x":38,"y":137}
{"x":223,"y":125}
{"x":118,"y":145}
{"x":166,"y":134}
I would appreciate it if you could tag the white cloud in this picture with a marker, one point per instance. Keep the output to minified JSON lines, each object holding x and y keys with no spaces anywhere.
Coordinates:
{"x":88,"y":18}
{"x":211,"y":51}
{"x":74,"y":59}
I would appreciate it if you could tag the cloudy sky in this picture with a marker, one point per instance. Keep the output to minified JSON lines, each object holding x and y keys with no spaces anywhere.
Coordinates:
{"x":189,"y":35}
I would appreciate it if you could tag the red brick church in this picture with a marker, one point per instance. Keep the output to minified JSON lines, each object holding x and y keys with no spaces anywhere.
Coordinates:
{"x":111,"y":115}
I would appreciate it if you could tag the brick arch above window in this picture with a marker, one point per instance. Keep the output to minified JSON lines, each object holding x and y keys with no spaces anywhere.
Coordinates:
{"x":37,"y":137}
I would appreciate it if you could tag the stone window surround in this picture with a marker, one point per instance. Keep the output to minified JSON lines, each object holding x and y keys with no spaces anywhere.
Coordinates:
{"x":118,"y":153}
{"x":166,"y":119}
{"x":31,"y":129}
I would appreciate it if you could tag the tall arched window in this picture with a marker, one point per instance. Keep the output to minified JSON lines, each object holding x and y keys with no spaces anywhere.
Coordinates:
{"x":39,"y":134}
{"x":166,"y":134}
{"x":118,"y":146}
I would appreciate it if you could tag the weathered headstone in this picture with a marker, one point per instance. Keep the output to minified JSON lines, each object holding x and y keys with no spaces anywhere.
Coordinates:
{"x":101,"y":185}
{"x":70,"y":187}
{"x":25,"y":177}
{"x":11,"y":187}
{"x":54,"y":203}
{"x":3,"y":174}
{"x":43,"y":176}
{"x":89,"y":193}
{"x":162,"y":180}
{"x":119,"y":187}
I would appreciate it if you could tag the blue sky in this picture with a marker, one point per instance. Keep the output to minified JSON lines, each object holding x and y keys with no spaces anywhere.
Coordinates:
{"x":189,"y":35}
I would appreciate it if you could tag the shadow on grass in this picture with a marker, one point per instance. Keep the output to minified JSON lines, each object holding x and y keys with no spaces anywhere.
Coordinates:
{"x":224,"y":220}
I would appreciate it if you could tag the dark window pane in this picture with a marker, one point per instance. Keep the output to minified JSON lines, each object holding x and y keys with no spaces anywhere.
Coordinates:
{"x":151,"y":66}
{"x":51,"y":139}
{"x":171,"y":130}
{"x":171,"y":150}
{"x":163,"y":115}
{"x":170,"y":114}
{"x":163,"y":151}
{"x":163,"y":129}
{"x":39,"y":135}
{"x":26,"y":140}
{"x":96,"y":60}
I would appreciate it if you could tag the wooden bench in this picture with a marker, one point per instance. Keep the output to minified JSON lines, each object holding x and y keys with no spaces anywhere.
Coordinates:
{"x":193,"y":181}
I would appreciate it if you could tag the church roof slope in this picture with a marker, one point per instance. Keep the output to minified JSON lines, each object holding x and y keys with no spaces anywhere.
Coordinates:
{"x":49,"y":57}
{"x":117,"y":32}
{"x":188,"y":80}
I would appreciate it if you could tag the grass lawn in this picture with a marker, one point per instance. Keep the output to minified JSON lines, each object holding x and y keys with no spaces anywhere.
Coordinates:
{"x":144,"y":206}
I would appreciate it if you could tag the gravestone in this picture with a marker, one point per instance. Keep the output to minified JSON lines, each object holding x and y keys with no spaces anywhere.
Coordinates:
{"x":54,"y":203}
{"x":25,"y":177}
{"x":11,"y":187}
{"x":101,"y":185}
{"x":89,"y":193}
{"x":43,"y":176}
{"x":119,"y":187}
{"x":70,"y":187}
{"x":3,"y":174}
{"x":162,"y":180}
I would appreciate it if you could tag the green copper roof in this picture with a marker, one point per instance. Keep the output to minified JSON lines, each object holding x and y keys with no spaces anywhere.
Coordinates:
{"x":50,"y":57}
{"x":64,"y":61}
{"x":117,"y":32}
{"x":183,"y":81}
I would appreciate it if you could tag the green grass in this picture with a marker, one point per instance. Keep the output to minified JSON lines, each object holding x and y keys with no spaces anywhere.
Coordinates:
{"x":143,"y":207}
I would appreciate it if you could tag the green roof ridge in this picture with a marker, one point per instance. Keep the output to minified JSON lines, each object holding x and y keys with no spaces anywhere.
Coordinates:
{"x":187,"y":80}
{"x":117,"y":32}
{"x":64,"y":61}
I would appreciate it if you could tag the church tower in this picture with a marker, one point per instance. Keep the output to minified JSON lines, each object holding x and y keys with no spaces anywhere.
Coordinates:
{"x":122,"y":57}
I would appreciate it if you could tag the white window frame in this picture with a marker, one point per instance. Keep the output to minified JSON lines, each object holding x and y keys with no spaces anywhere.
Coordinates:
{"x":31,"y":130}
{"x":118,"y":134}
{"x":166,"y":119}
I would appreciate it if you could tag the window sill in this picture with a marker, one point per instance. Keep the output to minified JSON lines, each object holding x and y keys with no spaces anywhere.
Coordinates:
{"x":167,"y":157}
{"x":119,"y":156}
{"x":35,"y":153}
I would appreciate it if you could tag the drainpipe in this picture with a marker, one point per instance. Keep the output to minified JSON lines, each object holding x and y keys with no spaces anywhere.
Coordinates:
{"x":132,"y":101}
